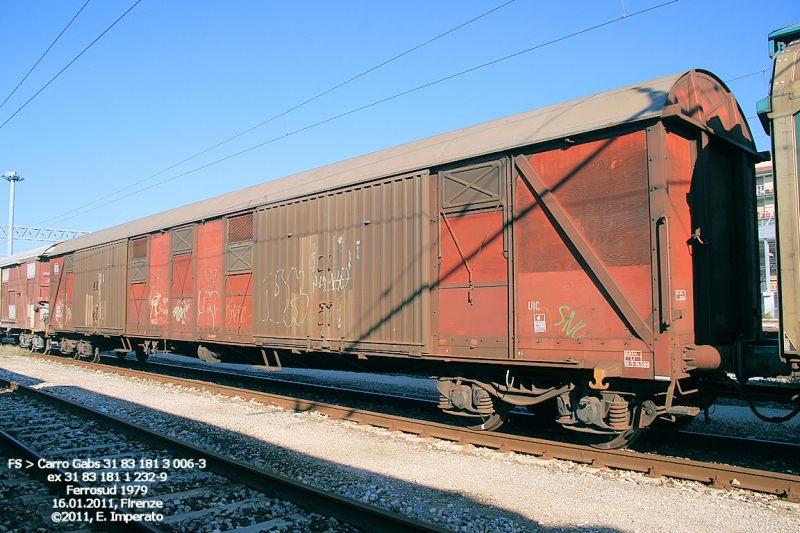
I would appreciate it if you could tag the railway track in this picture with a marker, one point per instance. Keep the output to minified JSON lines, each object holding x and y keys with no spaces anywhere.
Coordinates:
{"x":747,"y":452}
{"x":110,"y":474}
{"x":786,"y":485}
{"x":758,"y":392}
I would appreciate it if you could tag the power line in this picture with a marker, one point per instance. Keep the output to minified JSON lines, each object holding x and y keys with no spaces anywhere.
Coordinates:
{"x":762,"y":71}
{"x":284,"y":113}
{"x":373,"y":104}
{"x":44,"y":54}
{"x":68,"y":65}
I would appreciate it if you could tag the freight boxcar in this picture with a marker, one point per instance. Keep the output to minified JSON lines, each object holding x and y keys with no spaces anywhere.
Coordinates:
{"x":594,"y":259}
{"x":25,"y":297}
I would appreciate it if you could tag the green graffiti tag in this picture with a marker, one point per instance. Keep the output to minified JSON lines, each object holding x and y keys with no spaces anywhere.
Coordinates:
{"x":567,"y":325}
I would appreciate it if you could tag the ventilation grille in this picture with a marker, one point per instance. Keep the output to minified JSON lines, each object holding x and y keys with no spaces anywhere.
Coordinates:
{"x":139,"y":248}
{"x":473,"y":187}
{"x":68,"y":262}
{"x":240,"y":228}
{"x":138,"y":270}
{"x":182,"y":240}
{"x":240,"y":258}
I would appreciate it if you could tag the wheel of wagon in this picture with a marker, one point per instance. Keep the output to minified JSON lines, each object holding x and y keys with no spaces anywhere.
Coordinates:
{"x":121,"y":354}
{"x":489,"y":422}
{"x":611,"y":441}
{"x":35,"y":346}
{"x":141,"y":354}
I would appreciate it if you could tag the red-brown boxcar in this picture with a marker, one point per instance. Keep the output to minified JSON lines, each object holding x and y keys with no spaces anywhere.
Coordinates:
{"x":25,"y":296}
{"x":596,"y":256}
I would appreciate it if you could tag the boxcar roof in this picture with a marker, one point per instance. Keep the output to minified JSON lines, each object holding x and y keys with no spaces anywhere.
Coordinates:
{"x":634,"y":103}
{"x":22,"y":256}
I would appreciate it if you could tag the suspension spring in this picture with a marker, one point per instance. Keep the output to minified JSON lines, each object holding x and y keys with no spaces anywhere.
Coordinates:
{"x":618,"y":416}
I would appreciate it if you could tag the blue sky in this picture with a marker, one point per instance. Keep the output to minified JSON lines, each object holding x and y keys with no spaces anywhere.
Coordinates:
{"x":176,"y":77}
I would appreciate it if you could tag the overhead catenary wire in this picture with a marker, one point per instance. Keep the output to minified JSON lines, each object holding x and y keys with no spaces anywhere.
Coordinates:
{"x":762,"y":71}
{"x":284,"y":113}
{"x":373,"y":104}
{"x":68,"y":65}
{"x":44,"y":54}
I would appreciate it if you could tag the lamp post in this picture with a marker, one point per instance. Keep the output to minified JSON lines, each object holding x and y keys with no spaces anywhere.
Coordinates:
{"x":12,"y":178}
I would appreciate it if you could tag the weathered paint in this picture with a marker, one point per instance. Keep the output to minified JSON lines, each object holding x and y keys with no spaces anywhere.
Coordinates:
{"x":61,"y":296}
{"x":26,"y":295}
{"x":570,"y":271}
{"x":100,"y":288}
{"x":473,"y":285}
{"x":238,"y":307}
{"x":603,"y":186}
{"x":209,"y":279}
{"x":181,"y":303}
{"x":158,"y":286}
{"x":345,"y":270}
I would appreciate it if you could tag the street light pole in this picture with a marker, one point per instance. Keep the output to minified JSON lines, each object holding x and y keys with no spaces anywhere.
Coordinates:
{"x":12,"y":178}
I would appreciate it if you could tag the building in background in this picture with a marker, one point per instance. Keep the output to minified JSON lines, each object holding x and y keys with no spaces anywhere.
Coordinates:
{"x":765,"y":198}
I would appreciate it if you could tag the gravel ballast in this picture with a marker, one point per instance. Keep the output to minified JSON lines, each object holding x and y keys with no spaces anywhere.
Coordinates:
{"x":459,"y":487}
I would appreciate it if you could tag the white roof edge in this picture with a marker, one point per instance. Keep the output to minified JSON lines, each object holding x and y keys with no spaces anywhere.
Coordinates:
{"x":21,"y":256}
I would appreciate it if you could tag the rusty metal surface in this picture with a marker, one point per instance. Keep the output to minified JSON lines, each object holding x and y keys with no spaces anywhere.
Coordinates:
{"x":60,"y":296}
{"x":582,"y":249}
{"x":345,"y":270}
{"x":704,"y":99}
{"x":99,"y":287}
{"x":25,"y":294}
{"x":595,"y":266}
{"x":720,"y":475}
{"x":21,"y":256}
{"x":209,"y":280}
{"x":473,"y":286}
{"x":578,"y":271}
{"x":627,"y":105}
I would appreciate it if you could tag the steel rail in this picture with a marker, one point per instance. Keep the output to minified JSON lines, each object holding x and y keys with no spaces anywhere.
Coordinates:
{"x":684,"y":439}
{"x":360,"y":515}
{"x":761,"y":393}
{"x":717,"y":475}
{"x":53,"y":479}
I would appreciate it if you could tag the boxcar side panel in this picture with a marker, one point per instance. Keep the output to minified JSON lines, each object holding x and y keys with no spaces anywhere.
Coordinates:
{"x":61,"y":293}
{"x":38,"y":293}
{"x":15,"y":296}
{"x":681,"y":290}
{"x":238,"y":294}
{"x":158,"y":290}
{"x":182,"y":297}
{"x":137,"y":291}
{"x":348,"y":270}
{"x":566,"y":314}
{"x":473,"y":285}
{"x":100,"y":288}
{"x":210,"y":276}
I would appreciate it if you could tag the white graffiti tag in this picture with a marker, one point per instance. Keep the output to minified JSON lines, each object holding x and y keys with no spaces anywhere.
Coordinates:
{"x":181,"y":310}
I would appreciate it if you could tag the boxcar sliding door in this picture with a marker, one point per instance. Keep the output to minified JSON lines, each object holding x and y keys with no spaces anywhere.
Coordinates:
{"x":182,"y":284}
{"x":473,"y":269}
